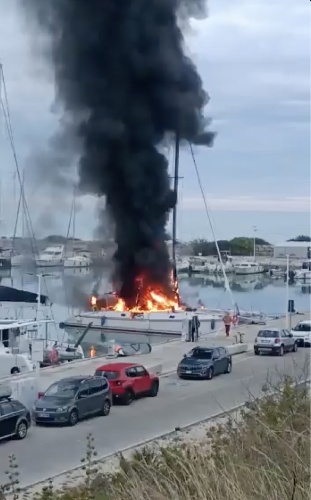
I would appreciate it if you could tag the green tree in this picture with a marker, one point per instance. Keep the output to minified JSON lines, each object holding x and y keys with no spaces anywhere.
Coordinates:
{"x":301,"y":237}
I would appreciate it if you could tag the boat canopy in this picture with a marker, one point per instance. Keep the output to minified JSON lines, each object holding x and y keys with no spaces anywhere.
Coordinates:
{"x":8,"y":294}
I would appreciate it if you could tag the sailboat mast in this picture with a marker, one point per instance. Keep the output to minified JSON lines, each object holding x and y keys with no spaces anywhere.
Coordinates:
{"x":174,"y":235}
{"x":74,"y":219}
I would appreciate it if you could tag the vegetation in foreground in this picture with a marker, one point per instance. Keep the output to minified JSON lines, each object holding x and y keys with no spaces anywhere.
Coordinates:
{"x":264,"y":454}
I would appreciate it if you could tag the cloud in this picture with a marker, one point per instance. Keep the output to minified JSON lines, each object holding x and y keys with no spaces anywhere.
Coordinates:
{"x":254,"y":58}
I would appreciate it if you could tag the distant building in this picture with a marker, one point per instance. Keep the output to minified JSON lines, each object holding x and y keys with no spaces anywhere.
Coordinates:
{"x":264,"y":250}
{"x":295,"y":249}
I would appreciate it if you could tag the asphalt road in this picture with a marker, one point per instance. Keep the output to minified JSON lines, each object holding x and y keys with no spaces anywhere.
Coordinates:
{"x":50,"y":451}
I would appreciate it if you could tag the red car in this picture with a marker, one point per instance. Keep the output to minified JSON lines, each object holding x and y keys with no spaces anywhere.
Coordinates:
{"x":129,"y":381}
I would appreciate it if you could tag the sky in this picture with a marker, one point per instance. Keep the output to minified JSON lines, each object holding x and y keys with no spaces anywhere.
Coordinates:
{"x":254,"y":59}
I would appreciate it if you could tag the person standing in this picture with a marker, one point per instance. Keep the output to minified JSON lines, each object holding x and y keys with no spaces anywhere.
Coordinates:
{"x":227,"y":321}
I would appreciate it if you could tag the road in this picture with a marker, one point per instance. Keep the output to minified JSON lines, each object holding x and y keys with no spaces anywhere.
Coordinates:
{"x":50,"y":451}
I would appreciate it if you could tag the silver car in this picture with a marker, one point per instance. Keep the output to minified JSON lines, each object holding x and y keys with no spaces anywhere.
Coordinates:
{"x":275,"y":341}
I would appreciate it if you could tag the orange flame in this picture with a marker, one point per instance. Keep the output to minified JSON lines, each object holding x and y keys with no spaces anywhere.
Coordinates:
{"x":149,"y":298}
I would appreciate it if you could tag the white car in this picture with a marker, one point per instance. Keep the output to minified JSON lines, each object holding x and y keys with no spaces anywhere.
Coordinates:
{"x":274,"y":341}
{"x":302,"y":333}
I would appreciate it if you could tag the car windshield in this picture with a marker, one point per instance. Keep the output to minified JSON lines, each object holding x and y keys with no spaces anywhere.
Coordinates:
{"x":200,"y":354}
{"x":63,"y":389}
{"x":110,"y":375}
{"x":303,"y":327}
{"x":268,"y":334}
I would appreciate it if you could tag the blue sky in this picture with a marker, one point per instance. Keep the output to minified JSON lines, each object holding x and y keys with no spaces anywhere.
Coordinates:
{"x":254,"y":58}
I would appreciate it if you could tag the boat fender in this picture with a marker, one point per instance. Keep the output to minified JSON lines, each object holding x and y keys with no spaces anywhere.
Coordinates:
{"x":103,"y":320}
{"x":213,"y":324}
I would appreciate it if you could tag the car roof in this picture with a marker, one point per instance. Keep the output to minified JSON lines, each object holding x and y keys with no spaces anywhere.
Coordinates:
{"x":116,"y":366}
{"x":75,"y":378}
{"x":305,"y":322}
{"x":210,"y":348}
{"x":268,"y":329}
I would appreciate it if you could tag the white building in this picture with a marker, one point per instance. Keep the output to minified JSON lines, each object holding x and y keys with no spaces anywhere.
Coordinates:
{"x":295,"y":249}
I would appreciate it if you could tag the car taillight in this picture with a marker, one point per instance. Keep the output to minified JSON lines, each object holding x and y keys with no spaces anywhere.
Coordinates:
{"x":276,"y":341}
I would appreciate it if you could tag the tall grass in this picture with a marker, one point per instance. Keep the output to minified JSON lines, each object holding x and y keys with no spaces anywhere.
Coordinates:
{"x":264,"y":454}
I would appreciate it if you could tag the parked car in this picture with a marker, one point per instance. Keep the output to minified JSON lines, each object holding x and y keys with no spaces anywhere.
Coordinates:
{"x":12,"y":364}
{"x":275,"y":341}
{"x":205,"y":362}
{"x":72,"y":399}
{"x":129,"y":381}
{"x":15,"y":419}
{"x":302,"y":333}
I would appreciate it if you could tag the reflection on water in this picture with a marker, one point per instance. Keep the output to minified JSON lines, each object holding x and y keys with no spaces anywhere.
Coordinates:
{"x":70,"y":289}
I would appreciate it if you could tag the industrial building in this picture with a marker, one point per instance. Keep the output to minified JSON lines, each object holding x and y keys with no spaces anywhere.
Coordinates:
{"x":295,"y":249}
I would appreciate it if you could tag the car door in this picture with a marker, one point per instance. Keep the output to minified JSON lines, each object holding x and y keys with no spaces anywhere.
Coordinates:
{"x":96,"y":395}
{"x":216,"y":362}
{"x":142,"y":380}
{"x":290,"y":340}
{"x":286,"y":340}
{"x":8,"y":418}
{"x":83,"y":399}
{"x":223,"y":359}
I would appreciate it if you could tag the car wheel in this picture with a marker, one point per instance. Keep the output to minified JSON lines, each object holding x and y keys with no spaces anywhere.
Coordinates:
{"x":210,"y":373}
{"x":295,"y":347}
{"x":106,"y":408}
{"x":154,"y":389}
{"x":21,"y":431}
{"x":256,"y":351}
{"x":229,"y":367}
{"x":281,"y":351}
{"x":128,"y":397}
{"x":15,"y":370}
{"x":73,"y":418}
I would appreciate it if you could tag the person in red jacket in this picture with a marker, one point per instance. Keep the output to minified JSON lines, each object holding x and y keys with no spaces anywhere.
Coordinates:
{"x":227,"y":321}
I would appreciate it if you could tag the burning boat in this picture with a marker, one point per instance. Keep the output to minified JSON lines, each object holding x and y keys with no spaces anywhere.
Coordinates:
{"x":124,"y":118}
{"x":154,"y":313}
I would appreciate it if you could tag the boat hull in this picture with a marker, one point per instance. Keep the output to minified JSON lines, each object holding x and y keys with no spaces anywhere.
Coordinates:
{"x":48,"y":263}
{"x":165,"y":324}
{"x":244,"y":272}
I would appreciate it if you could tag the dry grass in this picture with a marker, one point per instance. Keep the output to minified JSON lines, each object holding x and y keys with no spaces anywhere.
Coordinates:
{"x":265,"y":455}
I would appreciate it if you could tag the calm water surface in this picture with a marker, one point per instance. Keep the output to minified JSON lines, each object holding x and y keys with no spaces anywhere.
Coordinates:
{"x":69,"y":290}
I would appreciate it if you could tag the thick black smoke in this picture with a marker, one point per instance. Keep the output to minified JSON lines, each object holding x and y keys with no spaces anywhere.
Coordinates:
{"x":125,"y":83}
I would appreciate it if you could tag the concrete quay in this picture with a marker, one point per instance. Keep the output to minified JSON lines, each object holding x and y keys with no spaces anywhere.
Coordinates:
{"x":164,"y":358}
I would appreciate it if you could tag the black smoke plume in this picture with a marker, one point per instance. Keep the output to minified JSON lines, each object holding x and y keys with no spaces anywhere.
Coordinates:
{"x":125,"y":85}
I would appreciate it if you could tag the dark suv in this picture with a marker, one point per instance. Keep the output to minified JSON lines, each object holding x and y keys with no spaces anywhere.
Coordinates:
{"x":14,"y":417}
{"x":72,"y":399}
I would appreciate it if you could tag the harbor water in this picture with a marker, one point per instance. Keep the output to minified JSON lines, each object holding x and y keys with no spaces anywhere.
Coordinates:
{"x":69,"y":291}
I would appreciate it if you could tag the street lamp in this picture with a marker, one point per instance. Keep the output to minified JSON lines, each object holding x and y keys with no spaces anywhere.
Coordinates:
{"x":255,"y":231}
{"x":287,"y":291}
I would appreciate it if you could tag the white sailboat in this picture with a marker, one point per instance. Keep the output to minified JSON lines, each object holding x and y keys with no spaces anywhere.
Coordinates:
{"x":78,"y":259}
